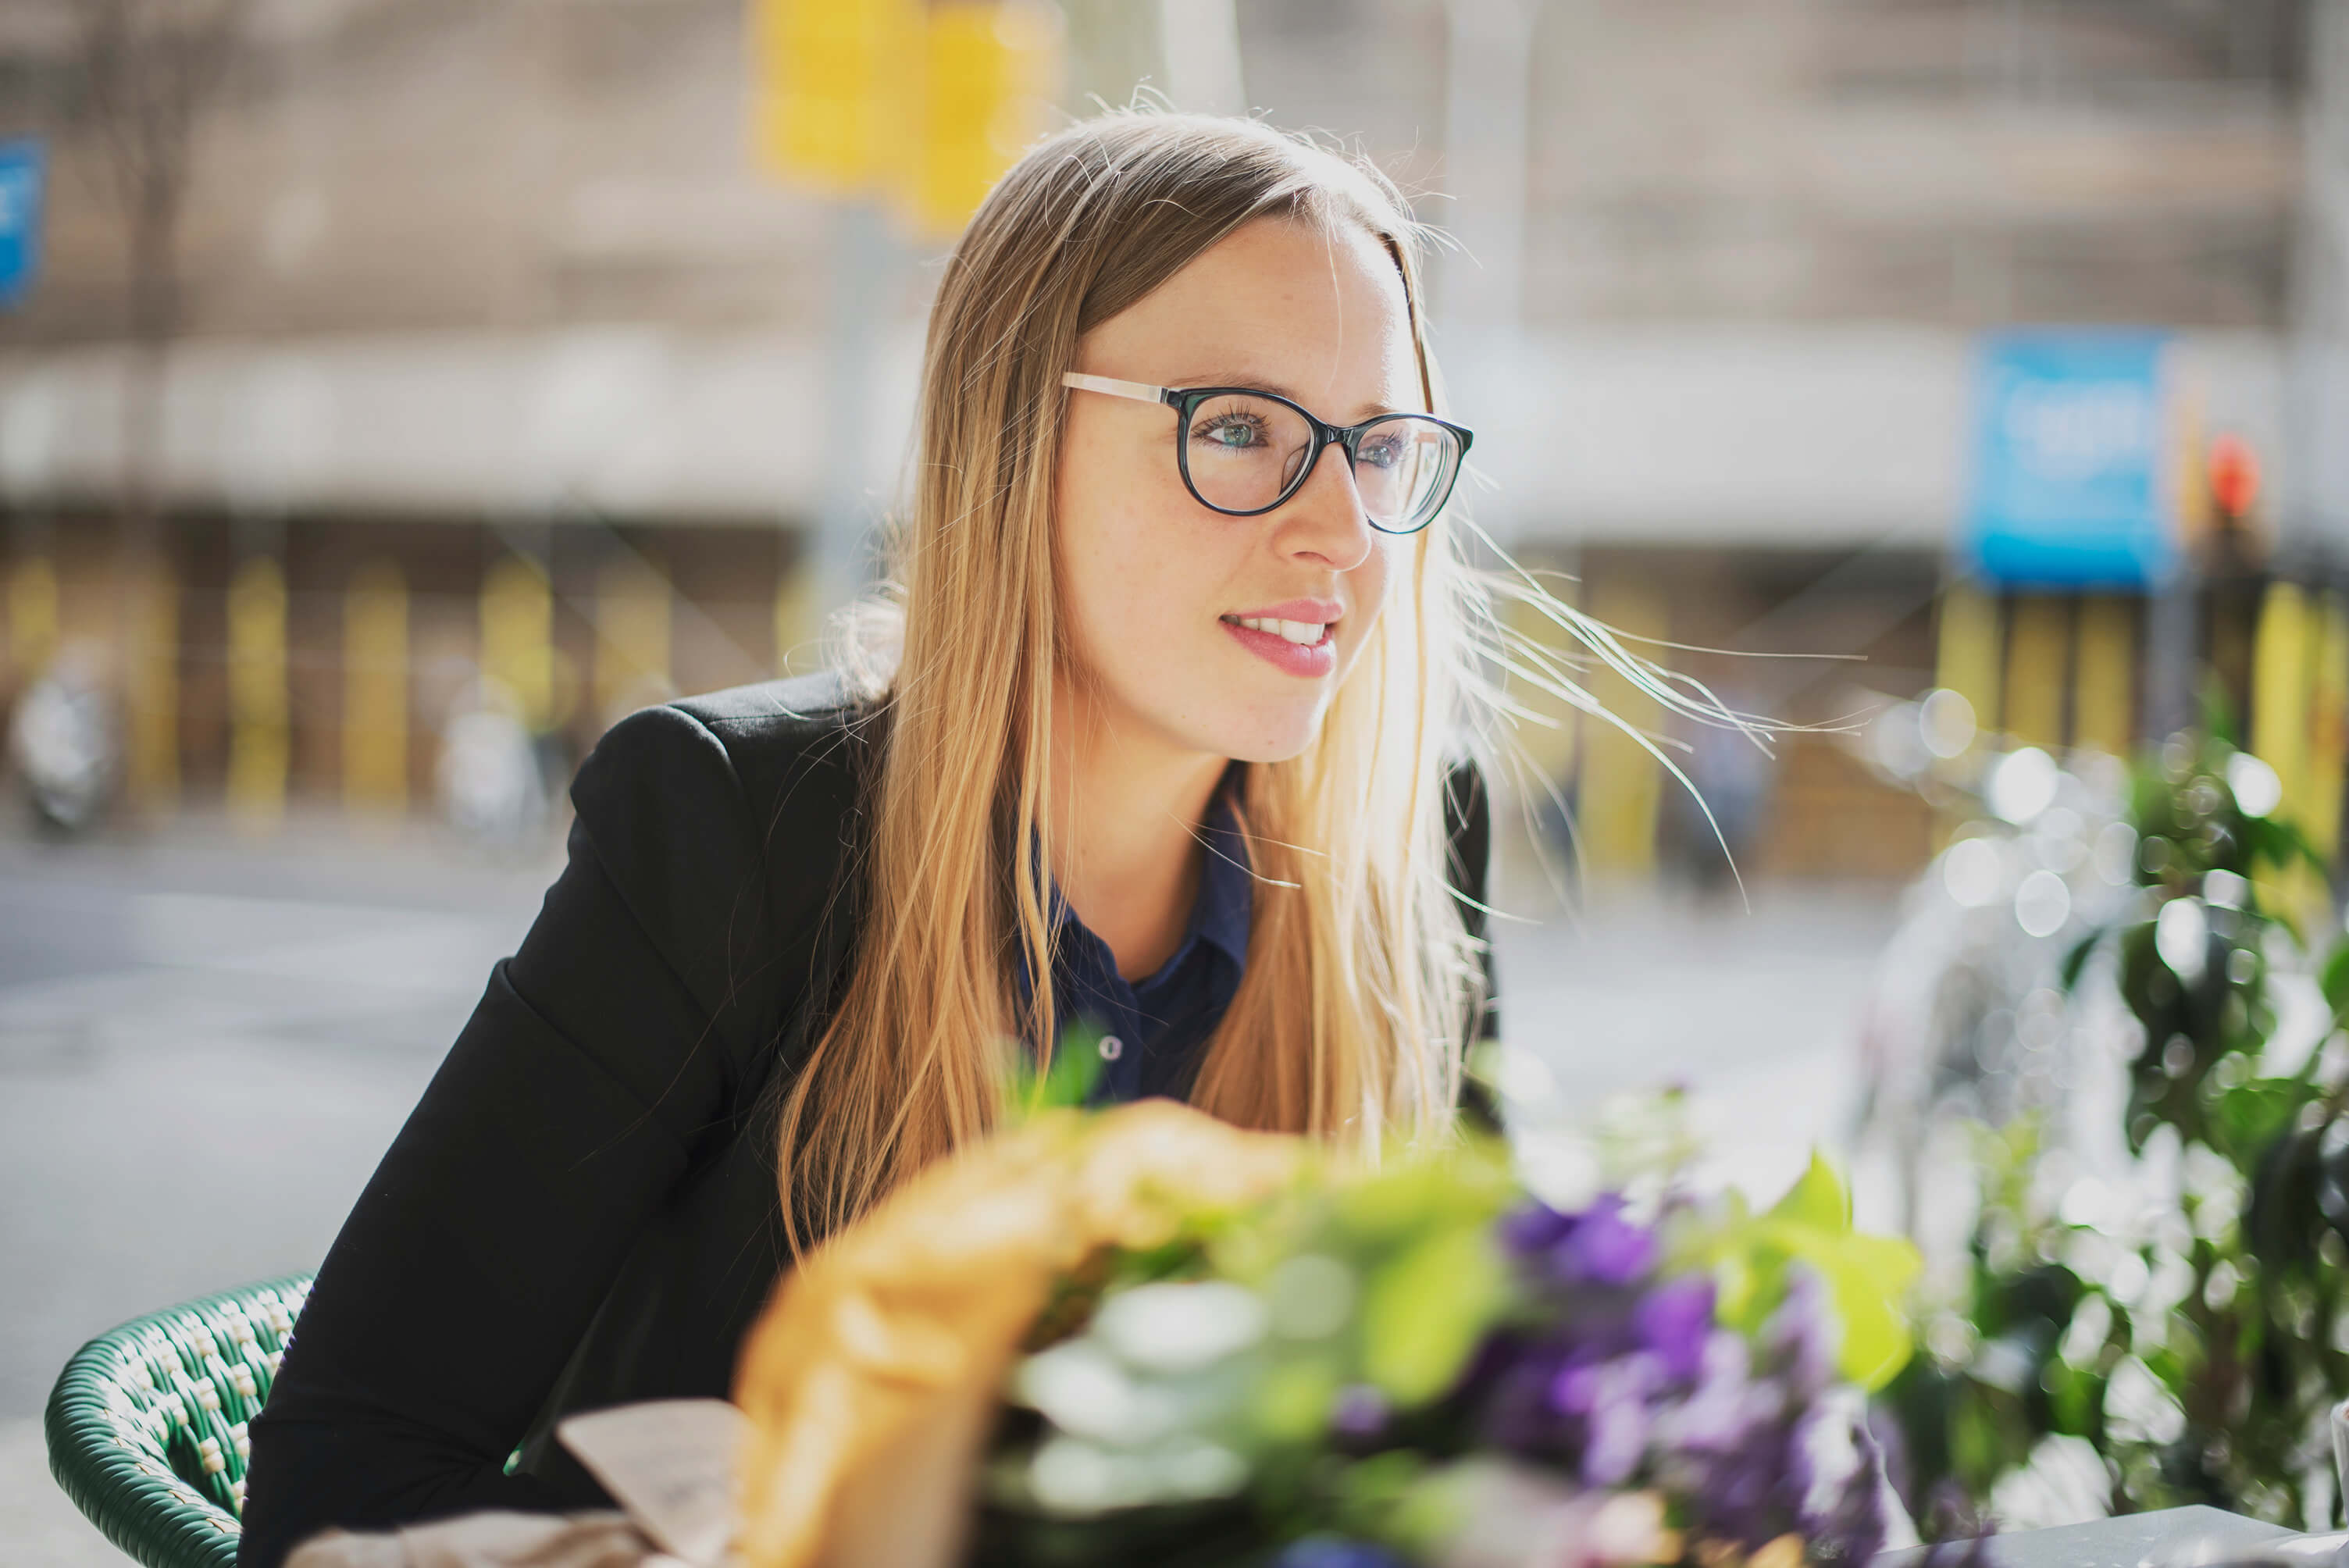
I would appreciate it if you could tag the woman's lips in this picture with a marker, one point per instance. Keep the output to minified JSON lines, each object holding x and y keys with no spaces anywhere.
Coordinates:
{"x":1310,"y":661}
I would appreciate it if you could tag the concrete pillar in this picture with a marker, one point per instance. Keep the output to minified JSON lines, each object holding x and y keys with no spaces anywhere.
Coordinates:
{"x":2103,"y":675}
{"x":152,"y":687}
{"x":518,"y":638}
{"x":632,"y":638}
{"x":32,"y":617}
{"x":259,"y":742}
{"x":2038,"y":643}
{"x":1622,"y":784}
{"x":375,"y":689}
{"x":1966,"y":657}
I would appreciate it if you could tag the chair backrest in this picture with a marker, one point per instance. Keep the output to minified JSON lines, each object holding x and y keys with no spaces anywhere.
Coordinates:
{"x":147,"y":1424}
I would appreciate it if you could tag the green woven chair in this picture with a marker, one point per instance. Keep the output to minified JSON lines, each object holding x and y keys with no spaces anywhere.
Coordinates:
{"x":146,"y":1426}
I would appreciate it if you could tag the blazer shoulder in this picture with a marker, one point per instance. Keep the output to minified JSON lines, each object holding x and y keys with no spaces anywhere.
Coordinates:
{"x":812,"y":702}
{"x":728,"y":742}
{"x":727,"y":823}
{"x":797,"y":747}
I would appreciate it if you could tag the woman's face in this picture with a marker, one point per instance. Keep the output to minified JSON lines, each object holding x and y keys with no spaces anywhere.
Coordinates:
{"x":1154,"y":585}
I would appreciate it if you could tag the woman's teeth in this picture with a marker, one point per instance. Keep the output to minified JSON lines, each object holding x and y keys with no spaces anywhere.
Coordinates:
{"x":1304,"y":632}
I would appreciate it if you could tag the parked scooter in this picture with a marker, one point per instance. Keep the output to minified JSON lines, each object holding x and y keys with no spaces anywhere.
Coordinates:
{"x":491,"y":782}
{"x":64,"y":742}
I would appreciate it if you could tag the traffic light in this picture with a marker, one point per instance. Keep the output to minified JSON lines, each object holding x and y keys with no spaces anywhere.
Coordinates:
{"x":2234,"y":479}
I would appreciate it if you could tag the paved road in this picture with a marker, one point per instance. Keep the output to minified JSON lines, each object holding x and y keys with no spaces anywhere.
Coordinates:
{"x":1754,"y":1013}
{"x":205,"y":1045}
{"x":203,"y":1049}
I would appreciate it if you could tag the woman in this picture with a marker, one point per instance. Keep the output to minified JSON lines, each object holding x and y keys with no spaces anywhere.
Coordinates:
{"x":1163,"y":713}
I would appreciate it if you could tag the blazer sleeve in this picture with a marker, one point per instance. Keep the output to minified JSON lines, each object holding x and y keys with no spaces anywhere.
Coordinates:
{"x":1468,"y":847}
{"x":601,"y":1055}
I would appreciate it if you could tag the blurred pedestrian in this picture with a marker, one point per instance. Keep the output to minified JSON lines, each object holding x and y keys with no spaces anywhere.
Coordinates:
{"x":1713,"y":827}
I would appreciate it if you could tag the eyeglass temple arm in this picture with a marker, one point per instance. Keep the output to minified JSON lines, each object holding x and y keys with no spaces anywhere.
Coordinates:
{"x":1116,"y":388}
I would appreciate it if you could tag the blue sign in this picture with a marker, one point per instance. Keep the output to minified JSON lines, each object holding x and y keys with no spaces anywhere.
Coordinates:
{"x":21,"y":171}
{"x":2070,"y":484}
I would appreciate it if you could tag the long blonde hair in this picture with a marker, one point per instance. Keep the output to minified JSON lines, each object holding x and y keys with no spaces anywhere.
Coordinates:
{"x":1361,"y":975}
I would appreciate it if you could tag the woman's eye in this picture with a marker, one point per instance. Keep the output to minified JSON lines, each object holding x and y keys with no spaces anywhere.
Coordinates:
{"x":1383,"y":452}
{"x":1230,"y":431}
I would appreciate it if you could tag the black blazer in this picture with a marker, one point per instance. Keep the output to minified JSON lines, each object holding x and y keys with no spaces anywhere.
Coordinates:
{"x":582,"y":1210}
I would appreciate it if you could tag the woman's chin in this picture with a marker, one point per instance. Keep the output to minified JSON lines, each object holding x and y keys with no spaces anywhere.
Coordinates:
{"x":1267,"y":739}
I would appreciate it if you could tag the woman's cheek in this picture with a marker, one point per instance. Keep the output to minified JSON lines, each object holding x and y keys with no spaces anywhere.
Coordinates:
{"x":1369,"y":582}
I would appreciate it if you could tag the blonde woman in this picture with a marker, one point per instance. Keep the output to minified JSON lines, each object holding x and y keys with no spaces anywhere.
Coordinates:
{"x":1167,"y":710}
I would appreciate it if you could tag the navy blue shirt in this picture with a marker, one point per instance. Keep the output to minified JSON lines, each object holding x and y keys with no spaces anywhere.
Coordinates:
{"x":1153,"y":1029}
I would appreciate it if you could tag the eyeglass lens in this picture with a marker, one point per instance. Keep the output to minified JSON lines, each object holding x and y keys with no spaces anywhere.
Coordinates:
{"x":1244,"y":454}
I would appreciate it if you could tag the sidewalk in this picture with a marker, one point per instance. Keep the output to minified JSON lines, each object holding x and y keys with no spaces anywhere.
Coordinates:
{"x":1755,"y":1014}
{"x":205,"y":1044}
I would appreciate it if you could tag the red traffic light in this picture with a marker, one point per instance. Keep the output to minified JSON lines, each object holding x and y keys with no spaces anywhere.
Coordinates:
{"x":2234,"y":476}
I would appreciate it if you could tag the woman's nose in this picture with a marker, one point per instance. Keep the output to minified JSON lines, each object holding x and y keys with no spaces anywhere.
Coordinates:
{"x":1325,"y":520}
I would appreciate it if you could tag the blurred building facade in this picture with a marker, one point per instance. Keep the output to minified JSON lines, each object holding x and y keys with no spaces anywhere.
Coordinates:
{"x":494,"y":352}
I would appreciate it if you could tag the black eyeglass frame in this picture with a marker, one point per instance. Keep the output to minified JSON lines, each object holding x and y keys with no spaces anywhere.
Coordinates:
{"x":1185,"y":402}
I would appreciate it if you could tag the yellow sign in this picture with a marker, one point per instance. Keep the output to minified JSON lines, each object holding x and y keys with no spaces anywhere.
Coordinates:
{"x":828,"y":94}
{"x":989,"y":81}
{"x":924,"y":104}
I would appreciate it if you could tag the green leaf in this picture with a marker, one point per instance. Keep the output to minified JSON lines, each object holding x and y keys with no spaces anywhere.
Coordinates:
{"x":2217,"y":709}
{"x":1459,"y":1186}
{"x":1294,"y":1396}
{"x":2250,"y":1115}
{"x":2068,"y":972}
{"x":1817,"y":1198}
{"x":1738,"y":1287}
{"x":2283,"y":844}
{"x":2335,"y":981}
{"x":1424,"y":1313}
{"x":1871,"y":1278}
{"x":1066,"y":1083}
{"x":1868,"y":1279}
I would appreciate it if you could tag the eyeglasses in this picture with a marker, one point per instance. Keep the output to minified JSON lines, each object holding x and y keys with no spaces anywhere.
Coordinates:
{"x":1244,"y":452}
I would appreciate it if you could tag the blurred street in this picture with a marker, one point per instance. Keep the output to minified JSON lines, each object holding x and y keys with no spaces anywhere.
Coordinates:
{"x":393,"y":395}
{"x":204,"y":1050}
{"x":205,"y":1045}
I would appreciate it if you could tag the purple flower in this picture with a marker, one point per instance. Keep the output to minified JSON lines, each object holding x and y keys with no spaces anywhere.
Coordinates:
{"x":1821,"y":1458}
{"x":1533,"y":1230}
{"x":1609,"y":1399}
{"x":1856,"y":1531}
{"x":1605,"y":1248}
{"x":1335,"y":1551}
{"x":1585,"y":1381}
{"x":1801,"y":1335}
{"x":1624,"y":1378}
{"x":1615,"y":1433}
{"x":1673,"y":1321}
{"x":1718,"y":1413}
{"x":1743,"y":1497}
{"x":1836,"y":1469}
{"x":1518,"y":1414}
{"x":1361,"y":1413}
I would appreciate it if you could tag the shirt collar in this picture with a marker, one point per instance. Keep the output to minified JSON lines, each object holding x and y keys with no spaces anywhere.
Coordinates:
{"x":1221,"y":915}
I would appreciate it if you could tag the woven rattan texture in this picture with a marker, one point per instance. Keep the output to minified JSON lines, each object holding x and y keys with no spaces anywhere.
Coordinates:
{"x":147,"y":1424}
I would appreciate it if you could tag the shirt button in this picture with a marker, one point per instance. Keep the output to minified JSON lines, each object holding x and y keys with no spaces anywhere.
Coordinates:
{"x":1112,"y":1047}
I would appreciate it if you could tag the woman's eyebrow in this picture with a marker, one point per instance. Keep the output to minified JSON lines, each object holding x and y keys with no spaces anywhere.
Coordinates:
{"x":1370,"y":410}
